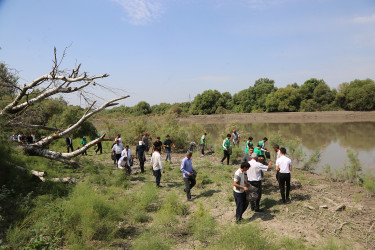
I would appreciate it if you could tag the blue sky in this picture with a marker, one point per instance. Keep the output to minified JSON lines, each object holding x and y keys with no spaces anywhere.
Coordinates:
{"x":167,"y":50}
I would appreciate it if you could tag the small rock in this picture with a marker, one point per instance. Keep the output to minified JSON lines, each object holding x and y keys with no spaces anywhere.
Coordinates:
{"x":340,"y":208}
{"x":310,"y":207}
{"x":323,"y":207}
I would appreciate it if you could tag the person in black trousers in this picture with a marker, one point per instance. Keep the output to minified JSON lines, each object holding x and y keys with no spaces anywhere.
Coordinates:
{"x":284,"y":165}
{"x":100,"y":148}
{"x":239,"y":190}
{"x":69,"y":143}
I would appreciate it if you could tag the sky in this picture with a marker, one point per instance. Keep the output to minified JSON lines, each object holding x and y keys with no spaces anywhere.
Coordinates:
{"x":171,"y":50}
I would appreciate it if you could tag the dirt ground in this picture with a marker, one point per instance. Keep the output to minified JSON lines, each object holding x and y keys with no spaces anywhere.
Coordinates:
{"x":284,"y":117}
{"x":320,"y":210}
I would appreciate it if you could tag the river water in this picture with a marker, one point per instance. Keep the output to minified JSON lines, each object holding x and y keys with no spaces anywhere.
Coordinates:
{"x":332,"y":138}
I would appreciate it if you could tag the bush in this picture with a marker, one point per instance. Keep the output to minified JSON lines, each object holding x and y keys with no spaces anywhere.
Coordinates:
{"x":202,"y":224}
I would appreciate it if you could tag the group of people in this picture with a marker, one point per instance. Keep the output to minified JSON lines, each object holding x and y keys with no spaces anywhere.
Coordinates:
{"x":69,"y":144}
{"x":247,"y":185}
{"x":24,"y":139}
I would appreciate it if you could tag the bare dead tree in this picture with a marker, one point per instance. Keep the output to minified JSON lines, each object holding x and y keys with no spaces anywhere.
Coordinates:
{"x":45,"y":86}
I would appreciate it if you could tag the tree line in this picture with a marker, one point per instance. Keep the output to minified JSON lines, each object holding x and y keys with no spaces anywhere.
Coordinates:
{"x":313,"y":95}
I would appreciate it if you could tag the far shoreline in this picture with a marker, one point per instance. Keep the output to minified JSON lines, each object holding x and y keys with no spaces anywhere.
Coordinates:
{"x":284,"y":117}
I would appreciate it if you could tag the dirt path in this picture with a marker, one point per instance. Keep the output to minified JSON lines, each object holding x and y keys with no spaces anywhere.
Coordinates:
{"x":284,"y":117}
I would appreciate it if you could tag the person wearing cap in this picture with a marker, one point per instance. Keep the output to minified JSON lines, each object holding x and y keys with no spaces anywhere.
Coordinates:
{"x":254,"y":176}
{"x":239,"y":189}
{"x":83,"y":143}
{"x":203,"y":142}
{"x":188,"y":174}
{"x":277,"y":150}
{"x":262,"y":144}
{"x":284,"y":165}
{"x":128,"y":153}
{"x":226,"y":145}
{"x":117,"y":150}
{"x":123,"y":164}
{"x":157,"y":144}
{"x":99,"y":148}
{"x":168,"y":147}
{"x":156,"y":164}
{"x":236,"y":138}
{"x":139,"y":154}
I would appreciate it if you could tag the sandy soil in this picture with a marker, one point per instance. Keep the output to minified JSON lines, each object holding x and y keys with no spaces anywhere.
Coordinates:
{"x":284,"y":117}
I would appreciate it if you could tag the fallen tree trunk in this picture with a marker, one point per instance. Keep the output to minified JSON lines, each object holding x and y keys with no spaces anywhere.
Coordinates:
{"x":41,"y":176}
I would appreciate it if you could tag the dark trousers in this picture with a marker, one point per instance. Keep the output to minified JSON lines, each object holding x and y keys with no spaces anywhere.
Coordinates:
{"x":226,"y":155}
{"x":202,"y":147}
{"x":258,"y":185}
{"x":69,"y":147}
{"x":141,"y":163}
{"x":284,"y":178}
{"x":100,"y":148}
{"x":241,"y":204}
{"x":157,"y":174}
{"x":118,"y":156}
{"x":189,"y":184}
{"x":84,"y":152}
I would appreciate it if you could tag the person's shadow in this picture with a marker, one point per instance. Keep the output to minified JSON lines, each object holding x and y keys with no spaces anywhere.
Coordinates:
{"x":207,"y":193}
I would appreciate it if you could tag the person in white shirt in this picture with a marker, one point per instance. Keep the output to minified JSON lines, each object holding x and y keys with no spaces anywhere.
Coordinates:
{"x":277,"y":150}
{"x":128,"y":153}
{"x":117,"y":150}
{"x":284,"y":166}
{"x":123,"y":164}
{"x":157,"y":166}
{"x":239,"y":188}
{"x":254,"y":176}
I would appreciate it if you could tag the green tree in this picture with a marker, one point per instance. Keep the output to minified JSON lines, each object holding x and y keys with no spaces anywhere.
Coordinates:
{"x":357,"y":95}
{"x":308,"y":87}
{"x":142,"y":108}
{"x":283,"y":100}
{"x":262,"y":88}
{"x":161,"y":108}
{"x":206,"y":103}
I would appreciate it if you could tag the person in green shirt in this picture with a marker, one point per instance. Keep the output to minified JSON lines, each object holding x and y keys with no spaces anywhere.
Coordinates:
{"x":203,"y":142}
{"x":83,"y":143}
{"x":168,"y":147}
{"x":249,"y":144}
{"x":258,"y":151}
{"x":226,"y":145}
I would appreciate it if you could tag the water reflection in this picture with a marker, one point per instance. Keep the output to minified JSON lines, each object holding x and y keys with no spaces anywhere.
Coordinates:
{"x":332,"y":138}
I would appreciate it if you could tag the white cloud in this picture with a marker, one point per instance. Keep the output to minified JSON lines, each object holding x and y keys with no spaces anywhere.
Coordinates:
{"x":364,"y":19}
{"x":141,"y":12}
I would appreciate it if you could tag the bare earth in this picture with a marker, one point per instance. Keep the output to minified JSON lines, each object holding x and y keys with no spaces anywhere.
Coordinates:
{"x":284,"y":117}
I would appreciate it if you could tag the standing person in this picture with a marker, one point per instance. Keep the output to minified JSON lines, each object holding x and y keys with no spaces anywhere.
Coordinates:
{"x":139,"y":154}
{"x":284,"y":165}
{"x":20,"y":138}
{"x":254,"y":175}
{"x":247,"y":156}
{"x":188,"y":174}
{"x":168,"y":147}
{"x":29,"y":139}
{"x":258,"y":151}
{"x":277,"y":150}
{"x":117,"y":150}
{"x":83,"y":143}
{"x":123,"y":164}
{"x":203,"y":142}
{"x":128,"y":153}
{"x":249,"y":144}
{"x":33,"y":136}
{"x":226,"y":145}
{"x":236,"y":138}
{"x":145,"y":142}
{"x":157,"y":166}
{"x":157,"y":144}
{"x":239,"y":189}
{"x":100,"y":147}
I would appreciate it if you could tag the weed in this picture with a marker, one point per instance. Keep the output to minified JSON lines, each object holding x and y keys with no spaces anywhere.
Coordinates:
{"x":202,"y":224}
{"x":314,"y":159}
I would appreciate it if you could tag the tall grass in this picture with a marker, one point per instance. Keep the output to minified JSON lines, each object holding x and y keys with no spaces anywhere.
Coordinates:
{"x":202,"y":224}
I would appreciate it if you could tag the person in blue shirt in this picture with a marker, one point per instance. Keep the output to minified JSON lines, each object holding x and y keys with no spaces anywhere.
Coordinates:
{"x":189,"y":177}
